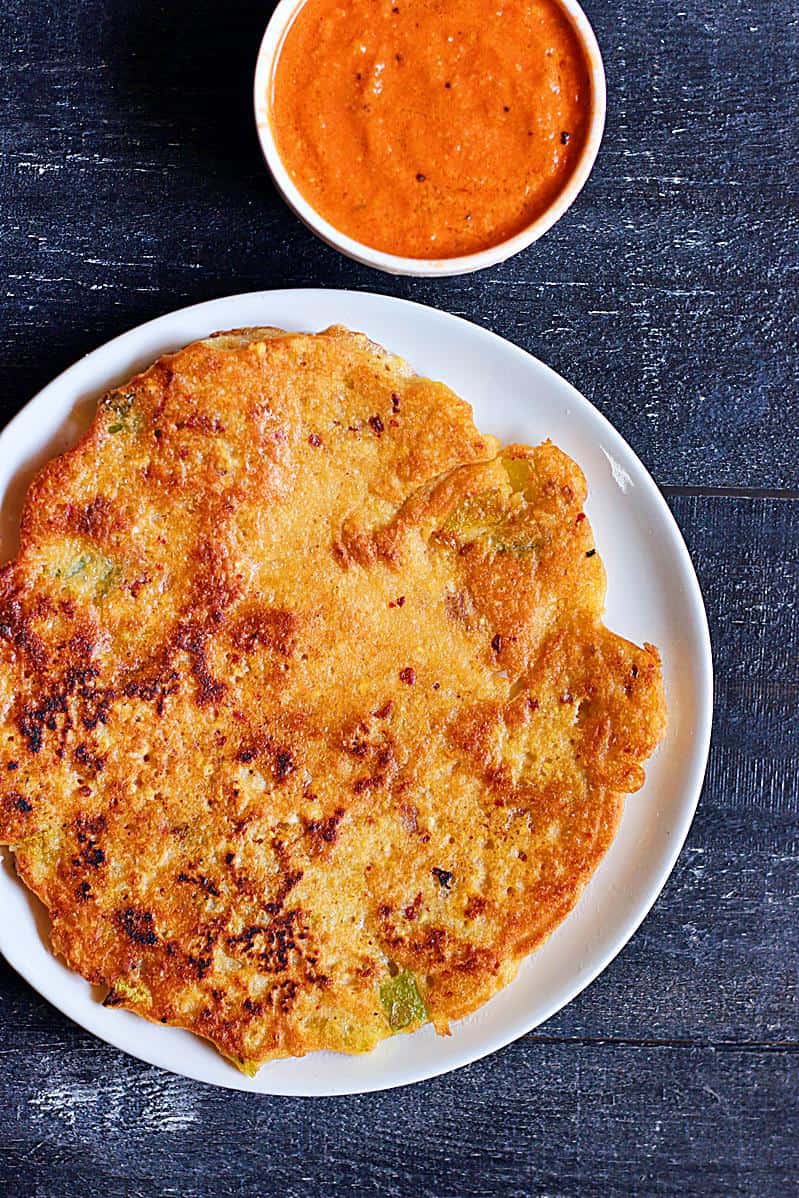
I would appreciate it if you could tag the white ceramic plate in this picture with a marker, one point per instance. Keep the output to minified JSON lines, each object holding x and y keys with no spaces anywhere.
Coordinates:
{"x":652,"y":594}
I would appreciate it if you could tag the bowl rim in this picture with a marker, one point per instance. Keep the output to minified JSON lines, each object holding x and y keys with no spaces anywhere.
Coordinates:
{"x":271,"y":44}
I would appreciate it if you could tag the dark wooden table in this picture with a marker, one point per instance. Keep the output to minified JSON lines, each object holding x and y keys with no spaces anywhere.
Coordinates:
{"x":132,"y":184}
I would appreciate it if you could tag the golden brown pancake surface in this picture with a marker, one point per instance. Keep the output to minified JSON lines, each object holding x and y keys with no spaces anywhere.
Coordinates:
{"x":310,"y":729}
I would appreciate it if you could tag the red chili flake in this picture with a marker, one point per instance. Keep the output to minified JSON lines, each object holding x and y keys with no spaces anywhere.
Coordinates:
{"x":447,"y":85}
{"x":314,"y":440}
{"x":420,"y":178}
{"x":580,"y":518}
{"x":377,"y":424}
{"x":532,"y":704}
{"x":496,"y":643}
{"x":395,"y":402}
{"x":505,"y":108}
{"x":397,"y":602}
{"x":408,"y":675}
{"x":413,"y":910}
{"x":436,"y":686}
{"x":385,"y":711}
{"x":634,"y":671}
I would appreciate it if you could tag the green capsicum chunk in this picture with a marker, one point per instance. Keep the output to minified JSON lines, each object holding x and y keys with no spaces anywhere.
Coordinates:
{"x":402,"y":1002}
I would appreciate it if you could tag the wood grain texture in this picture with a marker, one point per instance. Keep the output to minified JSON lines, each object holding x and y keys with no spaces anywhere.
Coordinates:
{"x":131,"y":183}
{"x":654,"y":1121}
{"x":675,"y":1073}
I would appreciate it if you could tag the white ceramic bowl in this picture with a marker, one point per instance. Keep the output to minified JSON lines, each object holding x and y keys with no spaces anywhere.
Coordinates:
{"x":271,"y":45}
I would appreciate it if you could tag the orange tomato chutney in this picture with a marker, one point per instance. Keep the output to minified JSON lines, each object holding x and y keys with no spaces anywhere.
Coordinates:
{"x":430,"y":128}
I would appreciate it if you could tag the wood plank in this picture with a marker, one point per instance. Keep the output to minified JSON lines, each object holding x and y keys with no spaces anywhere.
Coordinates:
{"x":676,"y":1072}
{"x":132,"y":183}
{"x":549,"y":1119}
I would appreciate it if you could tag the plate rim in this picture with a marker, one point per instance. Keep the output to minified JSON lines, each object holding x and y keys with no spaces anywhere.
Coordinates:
{"x":704,"y":697}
